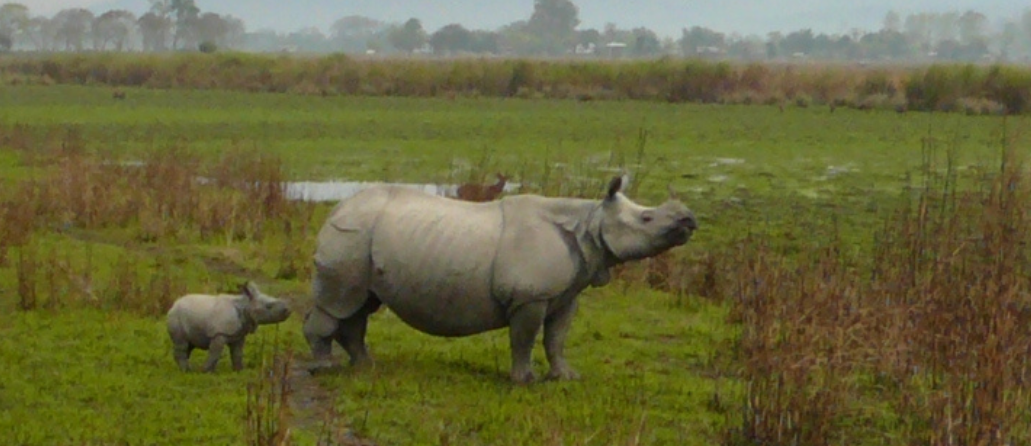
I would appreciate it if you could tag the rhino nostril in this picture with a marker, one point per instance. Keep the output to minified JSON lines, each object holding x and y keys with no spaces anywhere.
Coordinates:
{"x":688,"y":221}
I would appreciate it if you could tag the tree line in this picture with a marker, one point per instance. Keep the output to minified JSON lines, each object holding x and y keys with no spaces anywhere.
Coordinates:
{"x":168,"y":25}
{"x":553,"y":29}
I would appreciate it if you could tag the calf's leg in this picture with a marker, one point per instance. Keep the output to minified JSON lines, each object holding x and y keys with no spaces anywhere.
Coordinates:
{"x":214,"y":352}
{"x":236,"y":352}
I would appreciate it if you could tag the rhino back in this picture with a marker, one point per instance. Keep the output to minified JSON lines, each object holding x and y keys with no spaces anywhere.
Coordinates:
{"x":432,"y":259}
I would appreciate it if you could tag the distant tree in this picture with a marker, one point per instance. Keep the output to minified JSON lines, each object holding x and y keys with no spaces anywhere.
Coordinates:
{"x":972,"y":28}
{"x":451,"y":38}
{"x":610,"y":32}
{"x":555,"y":22}
{"x":919,"y":30}
{"x":5,"y":42}
{"x":236,"y":32}
{"x":211,"y":27}
{"x":749,"y":48}
{"x":847,"y":48}
{"x":207,"y":46}
{"x":946,"y":26}
{"x":1025,"y":22}
{"x":695,"y":38}
{"x":409,"y":36}
{"x":481,"y":41}
{"x":801,"y":41}
{"x":955,"y":50}
{"x":1008,"y":38}
{"x":264,"y":39}
{"x":587,"y":36}
{"x":154,"y":29}
{"x":646,"y":42}
{"x":885,"y":43}
{"x":73,"y":27}
{"x":773,"y":43}
{"x":185,"y":18}
{"x":354,"y":33}
{"x":517,"y":38}
{"x":892,"y":22}
{"x":14,"y":20}
{"x":309,"y":39}
{"x":113,"y":27}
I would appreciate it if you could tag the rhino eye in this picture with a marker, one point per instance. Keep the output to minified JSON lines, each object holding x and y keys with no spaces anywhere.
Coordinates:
{"x":646,"y":217}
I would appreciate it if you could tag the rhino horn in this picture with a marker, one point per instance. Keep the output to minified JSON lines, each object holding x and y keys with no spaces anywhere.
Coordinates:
{"x":672,"y":193}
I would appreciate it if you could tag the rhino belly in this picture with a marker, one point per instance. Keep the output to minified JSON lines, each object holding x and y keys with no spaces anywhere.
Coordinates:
{"x":432,"y":268}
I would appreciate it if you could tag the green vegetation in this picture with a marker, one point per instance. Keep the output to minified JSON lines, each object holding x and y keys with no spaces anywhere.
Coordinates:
{"x":807,"y":309}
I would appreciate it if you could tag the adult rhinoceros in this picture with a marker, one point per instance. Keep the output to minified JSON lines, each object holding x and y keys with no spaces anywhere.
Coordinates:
{"x":454,"y":268}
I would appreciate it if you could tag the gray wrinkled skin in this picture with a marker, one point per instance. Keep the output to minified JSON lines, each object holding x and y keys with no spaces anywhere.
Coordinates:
{"x":211,"y":322}
{"x":453,"y":268}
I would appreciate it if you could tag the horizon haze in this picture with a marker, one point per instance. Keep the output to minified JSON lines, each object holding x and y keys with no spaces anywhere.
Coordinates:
{"x":665,"y":17}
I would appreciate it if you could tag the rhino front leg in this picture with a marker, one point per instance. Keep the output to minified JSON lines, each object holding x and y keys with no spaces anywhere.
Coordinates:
{"x":556,"y":326}
{"x":523,"y":326}
{"x":236,"y":352}
{"x":214,"y":352}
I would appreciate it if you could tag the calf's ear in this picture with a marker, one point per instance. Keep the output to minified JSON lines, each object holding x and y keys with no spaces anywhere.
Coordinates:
{"x":615,"y":185}
{"x":247,"y":289}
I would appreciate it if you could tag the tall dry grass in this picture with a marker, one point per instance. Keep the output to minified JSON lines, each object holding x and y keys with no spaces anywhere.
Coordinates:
{"x":267,"y":411}
{"x":948,"y":86}
{"x":170,"y":195}
{"x":927,"y":342}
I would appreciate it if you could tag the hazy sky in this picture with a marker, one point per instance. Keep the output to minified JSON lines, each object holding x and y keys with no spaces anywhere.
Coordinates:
{"x":666,"y":17}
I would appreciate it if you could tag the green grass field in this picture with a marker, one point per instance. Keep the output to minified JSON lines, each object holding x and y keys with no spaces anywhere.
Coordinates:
{"x":95,"y":367}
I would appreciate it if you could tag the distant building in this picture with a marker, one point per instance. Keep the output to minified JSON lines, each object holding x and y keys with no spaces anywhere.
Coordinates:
{"x":615,"y":49}
{"x":589,"y":48}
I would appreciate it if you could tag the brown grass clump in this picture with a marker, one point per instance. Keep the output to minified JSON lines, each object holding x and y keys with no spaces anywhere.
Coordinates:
{"x":268,"y":408}
{"x":925,"y":343}
{"x":932,"y":87}
{"x":170,"y":196}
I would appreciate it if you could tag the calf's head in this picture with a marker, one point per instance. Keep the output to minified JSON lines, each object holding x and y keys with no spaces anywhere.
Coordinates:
{"x":263,"y":308}
{"x":632,"y":231}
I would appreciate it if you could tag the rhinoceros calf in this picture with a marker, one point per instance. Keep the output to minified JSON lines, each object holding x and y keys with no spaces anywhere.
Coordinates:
{"x":210,"y":322}
{"x":453,"y":268}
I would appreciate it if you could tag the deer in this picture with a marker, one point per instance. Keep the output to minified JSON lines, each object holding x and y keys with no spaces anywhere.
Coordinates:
{"x":479,"y":192}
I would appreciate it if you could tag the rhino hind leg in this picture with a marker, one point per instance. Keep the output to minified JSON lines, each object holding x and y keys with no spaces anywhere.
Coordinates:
{"x":319,"y":328}
{"x":350,"y":332}
{"x":181,"y":352}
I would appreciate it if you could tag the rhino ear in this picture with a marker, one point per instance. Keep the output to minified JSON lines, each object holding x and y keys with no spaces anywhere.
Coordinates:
{"x":247,"y":289}
{"x":615,"y":185}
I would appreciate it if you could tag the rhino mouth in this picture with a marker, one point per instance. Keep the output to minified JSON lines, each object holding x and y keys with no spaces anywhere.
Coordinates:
{"x":678,"y":235}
